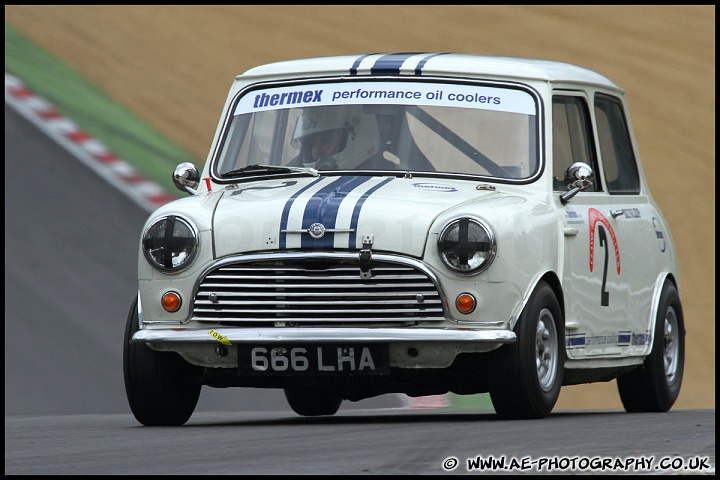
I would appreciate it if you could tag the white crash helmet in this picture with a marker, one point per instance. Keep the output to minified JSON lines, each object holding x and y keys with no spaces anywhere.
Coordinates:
{"x":363,"y":137}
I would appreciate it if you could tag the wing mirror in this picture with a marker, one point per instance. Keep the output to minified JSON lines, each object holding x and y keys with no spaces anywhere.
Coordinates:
{"x":578,"y":177}
{"x":186,"y":178}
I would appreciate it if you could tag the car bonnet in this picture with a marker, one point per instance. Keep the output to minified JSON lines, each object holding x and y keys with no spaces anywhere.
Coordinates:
{"x":335,"y":212}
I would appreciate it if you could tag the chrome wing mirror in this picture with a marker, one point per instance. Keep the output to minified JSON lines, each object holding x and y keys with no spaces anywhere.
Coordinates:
{"x":186,"y":178}
{"x":578,"y":177}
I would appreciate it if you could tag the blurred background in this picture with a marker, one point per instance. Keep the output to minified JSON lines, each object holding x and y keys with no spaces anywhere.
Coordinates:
{"x":151,"y":81}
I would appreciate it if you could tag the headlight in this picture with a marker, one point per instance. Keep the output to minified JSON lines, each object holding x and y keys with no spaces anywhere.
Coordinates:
{"x":170,"y":243}
{"x":467,"y":245}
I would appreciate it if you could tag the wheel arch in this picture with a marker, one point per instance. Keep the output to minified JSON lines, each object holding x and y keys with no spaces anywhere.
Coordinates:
{"x":553,"y":281}
{"x":660,"y":282}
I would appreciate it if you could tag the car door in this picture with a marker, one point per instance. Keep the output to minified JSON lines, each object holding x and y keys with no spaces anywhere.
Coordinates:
{"x":632,"y":221}
{"x":602,"y":225}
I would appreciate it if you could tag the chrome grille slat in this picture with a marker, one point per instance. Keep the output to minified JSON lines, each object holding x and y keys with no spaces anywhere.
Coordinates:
{"x":283,"y":301}
{"x":305,"y":290}
{"x":312,"y":277}
{"x":330,"y":289}
{"x":334,"y":312}
{"x":409,"y":295}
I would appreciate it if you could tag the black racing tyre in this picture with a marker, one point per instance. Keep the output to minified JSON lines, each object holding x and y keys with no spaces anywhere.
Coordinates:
{"x":312,"y":403}
{"x":160,"y":386}
{"x":655,"y":385}
{"x":524,"y":378}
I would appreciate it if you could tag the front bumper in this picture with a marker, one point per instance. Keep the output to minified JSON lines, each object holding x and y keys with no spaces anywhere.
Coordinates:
{"x":408,"y":347}
{"x":325,"y":335}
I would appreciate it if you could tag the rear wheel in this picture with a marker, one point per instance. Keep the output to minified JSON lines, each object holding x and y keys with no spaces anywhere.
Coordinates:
{"x":159,"y":385}
{"x":655,"y":385}
{"x":311,"y":403}
{"x":525,"y":377}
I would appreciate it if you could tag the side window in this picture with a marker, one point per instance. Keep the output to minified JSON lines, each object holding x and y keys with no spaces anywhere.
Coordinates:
{"x":619,"y":165}
{"x":572,"y":139}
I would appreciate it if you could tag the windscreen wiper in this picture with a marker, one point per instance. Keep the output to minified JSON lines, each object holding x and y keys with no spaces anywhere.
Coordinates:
{"x":269,"y":169}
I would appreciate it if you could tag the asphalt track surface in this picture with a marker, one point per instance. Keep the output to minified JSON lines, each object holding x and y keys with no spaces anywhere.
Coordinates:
{"x":70,"y":267}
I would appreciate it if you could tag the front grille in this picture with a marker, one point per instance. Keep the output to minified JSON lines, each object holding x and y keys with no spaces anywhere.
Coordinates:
{"x":309,"y":291}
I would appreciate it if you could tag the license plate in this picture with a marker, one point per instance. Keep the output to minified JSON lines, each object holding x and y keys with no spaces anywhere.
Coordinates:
{"x":314,"y":360}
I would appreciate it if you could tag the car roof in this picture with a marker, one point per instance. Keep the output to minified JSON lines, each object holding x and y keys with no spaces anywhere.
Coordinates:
{"x":434,"y":64}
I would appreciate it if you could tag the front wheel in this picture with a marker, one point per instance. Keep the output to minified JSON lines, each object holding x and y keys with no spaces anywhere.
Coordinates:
{"x":655,"y":385}
{"x":159,"y":385}
{"x":311,"y":403}
{"x":525,"y":377}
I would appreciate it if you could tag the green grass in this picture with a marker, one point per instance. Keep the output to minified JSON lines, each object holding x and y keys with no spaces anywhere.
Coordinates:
{"x":125,"y":134}
{"x":480,"y":401}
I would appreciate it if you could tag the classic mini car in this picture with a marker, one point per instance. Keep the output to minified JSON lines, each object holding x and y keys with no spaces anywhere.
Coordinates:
{"x":415,"y":223}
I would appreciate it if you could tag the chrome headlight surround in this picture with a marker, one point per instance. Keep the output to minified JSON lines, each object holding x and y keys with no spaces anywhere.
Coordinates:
{"x":466,"y":245}
{"x":170,"y":243}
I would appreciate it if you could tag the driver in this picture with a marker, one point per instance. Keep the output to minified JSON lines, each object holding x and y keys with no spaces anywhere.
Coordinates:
{"x":336,"y":137}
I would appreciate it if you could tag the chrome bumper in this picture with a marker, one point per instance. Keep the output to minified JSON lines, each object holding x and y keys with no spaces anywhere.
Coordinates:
{"x":324,"y":335}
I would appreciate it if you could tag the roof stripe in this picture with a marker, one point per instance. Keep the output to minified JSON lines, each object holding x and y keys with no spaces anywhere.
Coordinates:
{"x":390,"y":64}
{"x":357,"y":62}
{"x":421,"y":64}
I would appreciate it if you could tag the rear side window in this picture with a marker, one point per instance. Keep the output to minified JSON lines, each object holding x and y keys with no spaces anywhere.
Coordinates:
{"x":619,"y":165}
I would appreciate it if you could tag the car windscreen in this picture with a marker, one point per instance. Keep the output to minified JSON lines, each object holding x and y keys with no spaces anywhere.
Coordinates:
{"x":484,"y":130}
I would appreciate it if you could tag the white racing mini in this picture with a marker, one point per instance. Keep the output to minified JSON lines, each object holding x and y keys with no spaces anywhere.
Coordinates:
{"x":410,"y":223}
